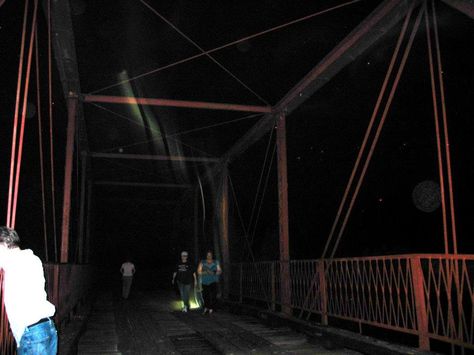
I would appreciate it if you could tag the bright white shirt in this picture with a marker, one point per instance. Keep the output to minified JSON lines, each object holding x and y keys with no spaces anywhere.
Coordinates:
{"x":127,"y":269}
{"x":24,"y":294}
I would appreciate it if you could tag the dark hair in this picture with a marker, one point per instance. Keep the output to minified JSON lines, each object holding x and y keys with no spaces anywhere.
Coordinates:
{"x":9,"y":237}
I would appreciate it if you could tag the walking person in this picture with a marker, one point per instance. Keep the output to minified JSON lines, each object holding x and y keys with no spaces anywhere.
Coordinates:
{"x":28,"y":310}
{"x":209,"y":270}
{"x":184,"y":275}
{"x":128,"y":270}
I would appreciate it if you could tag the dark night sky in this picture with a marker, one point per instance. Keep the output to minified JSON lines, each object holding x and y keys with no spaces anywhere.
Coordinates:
{"x":120,"y":39}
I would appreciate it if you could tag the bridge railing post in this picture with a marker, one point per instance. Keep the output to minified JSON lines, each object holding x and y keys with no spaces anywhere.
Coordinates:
{"x":320,"y":269}
{"x":420,"y":303}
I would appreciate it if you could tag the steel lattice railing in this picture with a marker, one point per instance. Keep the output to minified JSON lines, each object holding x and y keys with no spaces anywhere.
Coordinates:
{"x":449,"y":281}
{"x":372,"y":290}
{"x":428,"y":295}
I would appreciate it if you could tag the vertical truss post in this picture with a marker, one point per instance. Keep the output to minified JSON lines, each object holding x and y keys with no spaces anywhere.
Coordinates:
{"x":81,"y":232}
{"x":224,"y":227}
{"x":320,"y":269}
{"x":420,"y":302}
{"x":283,"y":215}
{"x":71,"y":128}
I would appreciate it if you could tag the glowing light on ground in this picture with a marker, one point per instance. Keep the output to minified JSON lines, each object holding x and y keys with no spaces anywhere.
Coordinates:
{"x":178,"y":305}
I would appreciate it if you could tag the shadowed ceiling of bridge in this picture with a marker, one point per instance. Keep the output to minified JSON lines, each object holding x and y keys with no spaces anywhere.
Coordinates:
{"x":119,"y":40}
{"x":129,"y":39}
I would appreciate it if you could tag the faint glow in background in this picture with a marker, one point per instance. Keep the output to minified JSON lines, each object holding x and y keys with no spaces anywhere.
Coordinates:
{"x":136,"y":113}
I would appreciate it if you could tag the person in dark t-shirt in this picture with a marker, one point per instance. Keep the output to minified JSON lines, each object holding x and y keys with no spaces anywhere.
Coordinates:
{"x":184,"y":275}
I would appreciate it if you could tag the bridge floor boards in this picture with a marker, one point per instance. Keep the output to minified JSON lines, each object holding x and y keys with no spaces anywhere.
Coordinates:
{"x":147,"y":323}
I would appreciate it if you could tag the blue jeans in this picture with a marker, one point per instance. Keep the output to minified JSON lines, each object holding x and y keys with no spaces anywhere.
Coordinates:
{"x":184,"y":290}
{"x":39,"y":339}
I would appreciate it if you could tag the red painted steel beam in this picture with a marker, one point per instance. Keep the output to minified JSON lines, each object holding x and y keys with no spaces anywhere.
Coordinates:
{"x":129,"y":100}
{"x":466,"y":7}
{"x":420,"y":303}
{"x":283,"y":216}
{"x":223,"y":218}
{"x":369,"y":31}
{"x":82,"y":206}
{"x":141,"y":184}
{"x":360,"y":39}
{"x":283,"y":188}
{"x":152,"y":157}
{"x":71,"y":128}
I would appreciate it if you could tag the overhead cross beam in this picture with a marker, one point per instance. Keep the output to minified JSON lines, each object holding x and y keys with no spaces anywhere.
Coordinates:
{"x":379,"y":22}
{"x":153,"y":157}
{"x":175,"y":103}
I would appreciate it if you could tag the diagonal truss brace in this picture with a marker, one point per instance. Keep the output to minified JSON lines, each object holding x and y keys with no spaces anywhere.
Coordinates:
{"x":380,"y":21}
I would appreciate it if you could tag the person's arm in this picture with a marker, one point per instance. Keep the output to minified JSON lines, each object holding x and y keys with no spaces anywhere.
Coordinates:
{"x":195,"y":278}
{"x":219,"y":270}
{"x":200,"y":268}
{"x":133,"y":270}
{"x":174,"y":276}
{"x":121,"y":269}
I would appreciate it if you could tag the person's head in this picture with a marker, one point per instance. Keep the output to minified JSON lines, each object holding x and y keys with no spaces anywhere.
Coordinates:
{"x":209,"y":255}
{"x":184,"y":256}
{"x":9,"y":238}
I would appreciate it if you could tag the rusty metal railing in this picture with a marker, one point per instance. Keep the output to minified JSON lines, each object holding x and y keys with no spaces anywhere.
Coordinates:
{"x":7,"y":342}
{"x":67,"y":285}
{"x":430,"y":296}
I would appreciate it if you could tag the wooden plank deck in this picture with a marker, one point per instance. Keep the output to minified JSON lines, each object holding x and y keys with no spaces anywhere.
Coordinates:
{"x":149,"y":323}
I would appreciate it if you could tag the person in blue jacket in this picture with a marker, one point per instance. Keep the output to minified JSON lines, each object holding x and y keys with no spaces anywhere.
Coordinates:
{"x":209,"y":270}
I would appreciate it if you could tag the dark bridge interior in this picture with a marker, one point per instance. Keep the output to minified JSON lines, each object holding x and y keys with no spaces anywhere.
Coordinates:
{"x":295,"y":135}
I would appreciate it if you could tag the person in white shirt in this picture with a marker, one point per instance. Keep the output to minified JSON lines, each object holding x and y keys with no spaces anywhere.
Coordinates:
{"x":127,"y":270}
{"x":28,"y":310}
